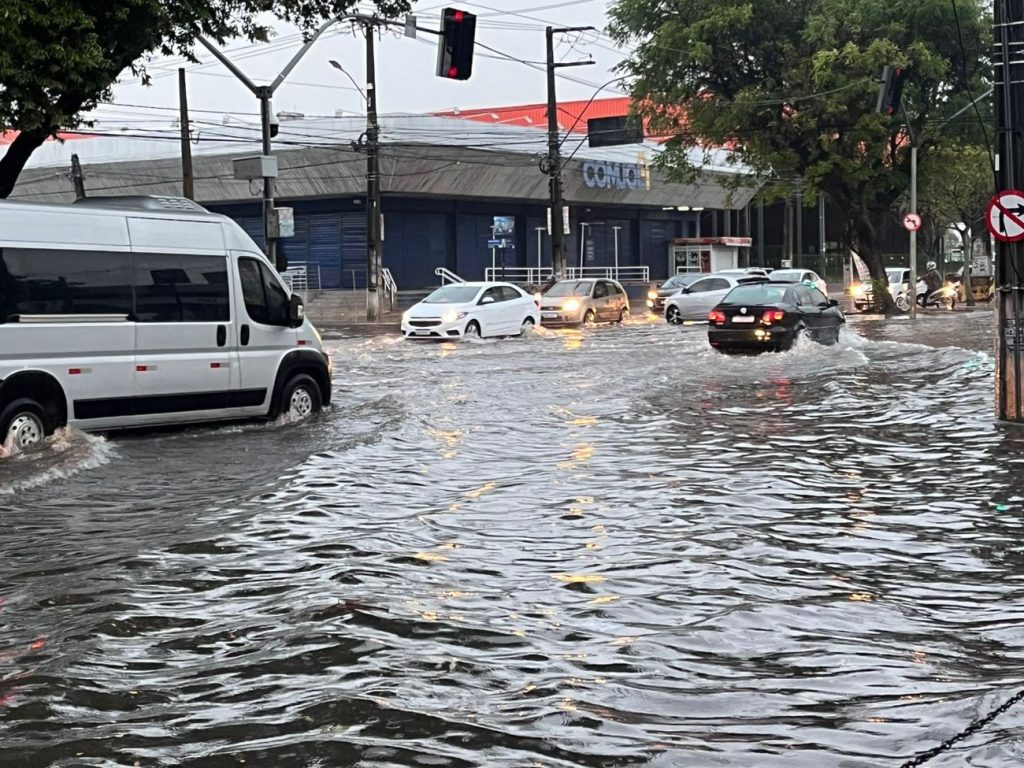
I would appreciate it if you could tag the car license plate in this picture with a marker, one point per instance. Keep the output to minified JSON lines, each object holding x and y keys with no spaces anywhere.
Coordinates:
{"x":549,"y":315}
{"x":743,"y":319}
{"x":422,"y":332}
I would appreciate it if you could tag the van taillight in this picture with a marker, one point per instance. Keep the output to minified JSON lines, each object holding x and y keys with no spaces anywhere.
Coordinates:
{"x":772,"y":316}
{"x":716,"y":317}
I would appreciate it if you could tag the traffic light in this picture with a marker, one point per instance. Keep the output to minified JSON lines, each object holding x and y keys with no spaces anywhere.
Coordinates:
{"x":455,"y":48}
{"x":891,"y":91}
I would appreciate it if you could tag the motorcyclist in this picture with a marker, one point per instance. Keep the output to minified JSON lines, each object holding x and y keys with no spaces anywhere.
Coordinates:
{"x":932,"y":282}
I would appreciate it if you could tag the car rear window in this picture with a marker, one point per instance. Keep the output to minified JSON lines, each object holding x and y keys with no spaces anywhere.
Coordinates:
{"x":760,"y":293}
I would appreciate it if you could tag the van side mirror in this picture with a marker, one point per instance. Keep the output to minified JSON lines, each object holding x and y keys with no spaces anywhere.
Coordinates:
{"x":296,"y":311}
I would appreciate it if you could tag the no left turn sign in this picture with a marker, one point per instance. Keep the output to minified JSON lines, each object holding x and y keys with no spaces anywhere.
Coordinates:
{"x":912,"y":222}
{"x":1006,"y":216}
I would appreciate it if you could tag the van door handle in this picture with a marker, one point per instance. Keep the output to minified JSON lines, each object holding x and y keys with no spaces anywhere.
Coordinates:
{"x":222,"y":335}
{"x":245,"y":335}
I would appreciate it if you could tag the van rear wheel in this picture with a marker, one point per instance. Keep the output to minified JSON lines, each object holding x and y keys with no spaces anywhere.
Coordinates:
{"x":300,"y":398}
{"x":23,"y":424}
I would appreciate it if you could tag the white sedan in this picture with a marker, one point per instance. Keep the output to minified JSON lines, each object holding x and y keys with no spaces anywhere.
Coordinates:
{"x":471,"y":309}
{"x":800,"y":276}
{"x":696,"y":300}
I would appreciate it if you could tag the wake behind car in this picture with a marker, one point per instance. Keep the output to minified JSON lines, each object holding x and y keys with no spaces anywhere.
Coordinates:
{"x":583,"y":302}
{"x":471,"y":309}
{"x":656,"y":298}
{"x":771,"y":316}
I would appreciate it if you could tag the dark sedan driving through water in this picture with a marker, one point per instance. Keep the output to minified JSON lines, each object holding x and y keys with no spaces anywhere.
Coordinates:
{"x":771,"y":316}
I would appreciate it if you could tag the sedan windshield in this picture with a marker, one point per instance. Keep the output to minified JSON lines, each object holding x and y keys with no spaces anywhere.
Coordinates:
{"x":453,"y":294}
{"x":760,"y":293}
{"x":570,"y":288}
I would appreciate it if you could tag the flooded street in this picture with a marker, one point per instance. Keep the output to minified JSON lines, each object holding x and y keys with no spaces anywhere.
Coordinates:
{"x":613,"y":547}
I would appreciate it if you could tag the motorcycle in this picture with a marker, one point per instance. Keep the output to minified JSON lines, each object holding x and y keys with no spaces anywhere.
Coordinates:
{"x":941,"y":298}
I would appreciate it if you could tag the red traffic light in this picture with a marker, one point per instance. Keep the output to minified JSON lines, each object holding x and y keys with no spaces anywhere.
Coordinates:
{"x":453,"y":72}
{"x":458,"y":16}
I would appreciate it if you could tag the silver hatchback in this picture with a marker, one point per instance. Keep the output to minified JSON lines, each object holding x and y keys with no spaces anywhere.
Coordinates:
{"x":583,"y":302}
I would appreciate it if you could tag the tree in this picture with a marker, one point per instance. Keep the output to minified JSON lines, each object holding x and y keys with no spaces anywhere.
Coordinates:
{"x":59,"y":58}
{"x":956,"y":187}
{"x":792,"y":85}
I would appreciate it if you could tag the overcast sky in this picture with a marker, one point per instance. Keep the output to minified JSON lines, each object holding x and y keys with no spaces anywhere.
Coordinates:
{"x":405,"y":67}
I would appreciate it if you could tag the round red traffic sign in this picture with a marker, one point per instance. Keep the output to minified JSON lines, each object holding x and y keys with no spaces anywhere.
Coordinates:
{"x":912,"y":222}
{"x":1006,"y":216}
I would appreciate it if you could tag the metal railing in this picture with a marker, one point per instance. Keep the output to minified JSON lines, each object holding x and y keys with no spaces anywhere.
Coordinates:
{"x":640,"y":274}
{"x":447,"y":275}
{"x":526,"y":275}
{"x":303,"y":278}
{"x":390,"y":288}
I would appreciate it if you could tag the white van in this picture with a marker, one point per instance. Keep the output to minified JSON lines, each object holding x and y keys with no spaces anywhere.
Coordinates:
{"x":145,"y":311}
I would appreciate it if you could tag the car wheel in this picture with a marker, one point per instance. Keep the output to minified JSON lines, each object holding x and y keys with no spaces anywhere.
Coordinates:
{"x":903,"y":303}
{"x":23,"y":424}
{"x":300,"y":398}
{"x":473,"y":330}
{"x":673,"y":315}
{"x":589,"y":318}
{"x":623,"y":314}
{"x":526,"y":327}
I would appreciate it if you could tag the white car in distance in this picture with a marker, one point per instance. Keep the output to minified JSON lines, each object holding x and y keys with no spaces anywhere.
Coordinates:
{"x":471,"y":309}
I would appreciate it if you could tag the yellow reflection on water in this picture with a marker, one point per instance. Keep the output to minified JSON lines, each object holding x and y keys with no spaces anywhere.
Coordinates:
{"x":579,"y":578}
{"x":476,"y":493}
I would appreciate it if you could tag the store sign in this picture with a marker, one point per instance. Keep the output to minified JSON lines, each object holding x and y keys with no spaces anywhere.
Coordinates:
{"x":599,"y":174}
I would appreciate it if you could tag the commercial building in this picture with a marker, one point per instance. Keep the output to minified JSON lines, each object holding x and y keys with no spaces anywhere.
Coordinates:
{"x":453,"y":188}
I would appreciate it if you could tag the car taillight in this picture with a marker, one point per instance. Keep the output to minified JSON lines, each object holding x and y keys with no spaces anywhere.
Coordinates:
{"x":716,"y":317}
{"x":772,"y":316}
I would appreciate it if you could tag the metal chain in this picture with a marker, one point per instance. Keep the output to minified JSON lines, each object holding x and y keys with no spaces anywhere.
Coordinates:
{"x":970,"y":730}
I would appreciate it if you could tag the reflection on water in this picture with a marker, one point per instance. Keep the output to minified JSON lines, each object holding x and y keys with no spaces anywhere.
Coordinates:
{"x":605,"y":547}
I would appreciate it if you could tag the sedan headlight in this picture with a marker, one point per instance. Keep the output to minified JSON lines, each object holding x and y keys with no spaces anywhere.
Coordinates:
{"x":858,"y":291}
{"x":452,"y":315}
{"x":652,"y":294}
{"x":571,"y":305}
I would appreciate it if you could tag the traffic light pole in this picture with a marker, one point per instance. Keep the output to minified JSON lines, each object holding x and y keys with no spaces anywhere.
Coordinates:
{"x":554,"y":159}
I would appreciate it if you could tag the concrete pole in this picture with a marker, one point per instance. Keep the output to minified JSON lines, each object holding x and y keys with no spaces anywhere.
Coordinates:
{"x":913,"y":233}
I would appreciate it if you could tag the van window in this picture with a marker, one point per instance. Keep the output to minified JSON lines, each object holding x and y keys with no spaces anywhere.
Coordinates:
{"x":178,"y":288}
{"x":265,"y":299}
{"x":38,"y":281}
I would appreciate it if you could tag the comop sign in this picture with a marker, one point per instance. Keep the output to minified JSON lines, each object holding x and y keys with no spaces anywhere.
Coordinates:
{"x":604,"y":175}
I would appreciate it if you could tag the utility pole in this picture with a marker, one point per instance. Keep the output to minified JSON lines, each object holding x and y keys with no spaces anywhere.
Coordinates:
{"x":913,"y":233}
{"x":1008,"y":60}
{"x":553,"y":164}
{"x":798,"y":261}
{"x":77,"y":178}
{"x":373,"y":212}
{"x":187,"y":180}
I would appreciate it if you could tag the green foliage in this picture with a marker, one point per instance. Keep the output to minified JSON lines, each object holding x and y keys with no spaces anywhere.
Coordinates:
{"x":58,"y":58}
{"x":793,"y":85}
{"x":956,"y":184}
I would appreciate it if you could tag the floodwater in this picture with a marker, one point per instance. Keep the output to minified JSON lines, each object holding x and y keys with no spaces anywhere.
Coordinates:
{"x":613,"y":547}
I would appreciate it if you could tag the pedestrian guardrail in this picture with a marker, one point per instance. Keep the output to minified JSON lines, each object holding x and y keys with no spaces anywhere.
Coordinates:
{"x":524,"y":275}
{"x":390,"y":288}
{"x":639,"y":274}
{"x":447,"y":276}
{"x":302,"y":278}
